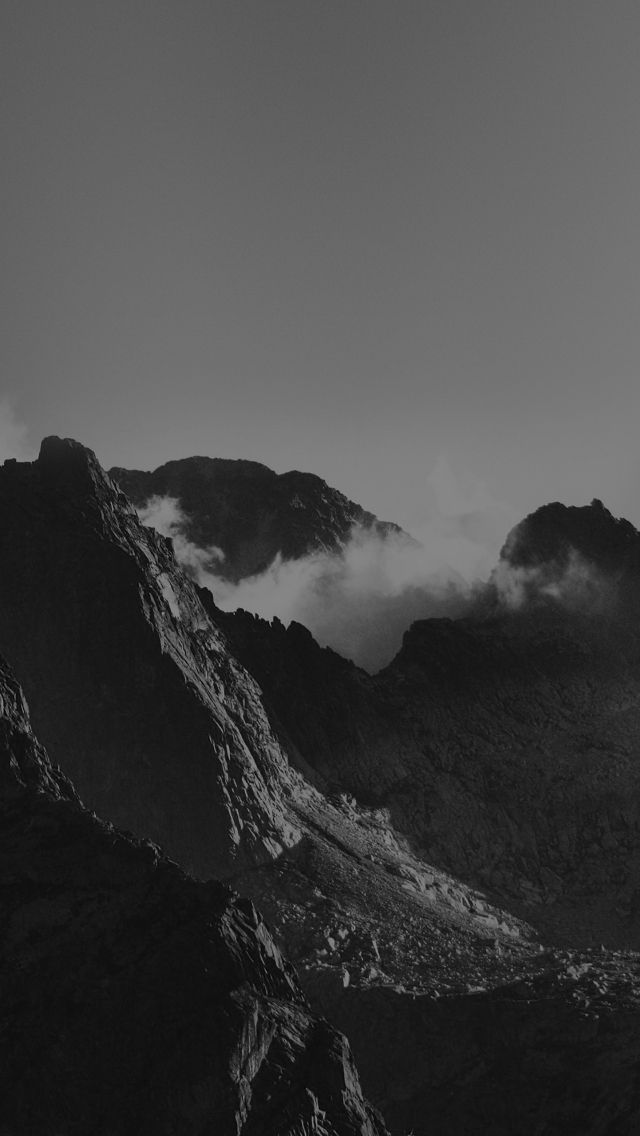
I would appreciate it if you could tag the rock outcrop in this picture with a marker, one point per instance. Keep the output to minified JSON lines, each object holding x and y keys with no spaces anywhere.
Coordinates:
{"x":131,"y":686}
{"x":251,"y":513}
{"x":504,"y":749}
{"x":134,"y":1000}
{"x":409,"y":836}
{"x":554,"y":1052}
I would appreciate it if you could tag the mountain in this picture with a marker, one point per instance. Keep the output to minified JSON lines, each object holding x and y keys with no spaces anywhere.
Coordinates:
{"x":251,"y":513}
{"x":503,"y":745}
{"x":134,"y":999}
{"x":581,"y":555}
{"x":130,"y":683}
{"x":419,"y":841}
{"x":555,"y":532}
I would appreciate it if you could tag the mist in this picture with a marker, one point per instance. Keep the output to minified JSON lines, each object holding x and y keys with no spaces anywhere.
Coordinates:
{"x":574,"y":584}
{"x":361,"y":600}
{"x":165,"y":515}
{"x":13,"y":435}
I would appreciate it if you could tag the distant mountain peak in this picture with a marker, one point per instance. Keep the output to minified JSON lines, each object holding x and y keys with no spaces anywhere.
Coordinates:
{"x":553,"y":531}
{"x":252,"y":513}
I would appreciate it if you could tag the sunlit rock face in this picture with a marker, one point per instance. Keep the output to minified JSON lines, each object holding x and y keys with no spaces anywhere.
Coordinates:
{"x":417,"y":840}
{"x":134,"y":999}
{"x":504,"y":748}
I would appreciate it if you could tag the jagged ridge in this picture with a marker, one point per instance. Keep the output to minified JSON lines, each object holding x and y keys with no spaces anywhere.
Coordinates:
{"x":130,"y":683}
{"x":368,"y":921}
{"x":252,"y":513}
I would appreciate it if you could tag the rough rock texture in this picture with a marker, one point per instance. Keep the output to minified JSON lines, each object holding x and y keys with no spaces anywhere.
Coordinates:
{"x":459,"y":1021}
{"x":134,"y":1000}
{"x":492,"y":754}
{"x":250,"y":512}
{"x":130,"y":684}
{"x":556,"y":1052}
{"x":504,"y":748}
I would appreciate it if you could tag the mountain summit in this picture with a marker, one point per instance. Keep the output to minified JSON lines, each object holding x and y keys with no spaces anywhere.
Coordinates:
{"x":554,"y":532}
{"x":251,"y":513}
{"x":444,"y":850}
{"x":130,"y":683}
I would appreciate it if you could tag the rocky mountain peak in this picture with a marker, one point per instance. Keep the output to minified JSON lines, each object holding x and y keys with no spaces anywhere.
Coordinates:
{"x":410,"y":835}
{"x":553,"y":532}
{"x":252,"y":513}
{"x":59,"y":454}
{"x":71,"y":469}
{"x":127,"y":675}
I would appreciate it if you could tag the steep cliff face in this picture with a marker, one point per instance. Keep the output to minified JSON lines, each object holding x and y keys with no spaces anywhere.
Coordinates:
{"x":438,"y":809}
{"x":250,"y":512}
{"x":130,"y":683}
{"x":134,"y":999}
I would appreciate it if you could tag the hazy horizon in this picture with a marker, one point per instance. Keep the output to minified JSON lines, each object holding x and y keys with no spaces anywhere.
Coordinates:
{"x":393,"y":245}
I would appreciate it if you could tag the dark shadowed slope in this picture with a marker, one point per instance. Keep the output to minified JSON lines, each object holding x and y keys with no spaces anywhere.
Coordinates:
{"x":505,"y":746}
{"x":130,"y":683}
{"x":135,"y":1001}
{"x":461,"y":1022}
{"x":250,"y":512}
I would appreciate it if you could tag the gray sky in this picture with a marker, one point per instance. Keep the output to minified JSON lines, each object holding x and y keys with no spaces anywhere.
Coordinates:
{"x":361,"y":238}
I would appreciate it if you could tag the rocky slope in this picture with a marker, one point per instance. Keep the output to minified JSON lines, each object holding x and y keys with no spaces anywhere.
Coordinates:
{"x":504,"y":746}
{"x":554,"y":1052}
{"x":134,"y":999}
{"x":363,"y":815}
{"x":250,"y":512}
{"x":130,"y":683}
{"x":460,"y":1021}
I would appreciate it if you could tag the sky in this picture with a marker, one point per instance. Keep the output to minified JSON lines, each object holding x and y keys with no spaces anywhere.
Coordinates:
{"x":393,"y":243}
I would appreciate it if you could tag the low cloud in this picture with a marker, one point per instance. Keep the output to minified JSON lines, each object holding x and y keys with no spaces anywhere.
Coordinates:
{"x":361,"y":600}
{"x":13,"y":435}
{"x":165,"y":516}
{"x":573,"y":583}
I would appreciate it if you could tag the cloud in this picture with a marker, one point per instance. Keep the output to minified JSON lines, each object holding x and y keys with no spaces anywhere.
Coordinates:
{"x":574,"y":584}
{"x":361,"y":600}
{"x":165,"y":516}
{"x":13,"y":435}
{"x":462,"y":522}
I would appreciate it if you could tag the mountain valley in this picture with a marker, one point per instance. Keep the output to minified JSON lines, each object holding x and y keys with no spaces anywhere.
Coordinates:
{"x":448,"y":851}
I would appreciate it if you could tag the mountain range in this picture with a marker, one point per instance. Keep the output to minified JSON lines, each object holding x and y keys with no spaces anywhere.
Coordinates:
{"x":251,"y":513}
{"x":447,"y":851}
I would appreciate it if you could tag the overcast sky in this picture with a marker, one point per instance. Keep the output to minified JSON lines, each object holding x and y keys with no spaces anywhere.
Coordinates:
{"x":362,"y":238}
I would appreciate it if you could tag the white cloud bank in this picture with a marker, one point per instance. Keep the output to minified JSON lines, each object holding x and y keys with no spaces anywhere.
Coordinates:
{"x":361,"y":600}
